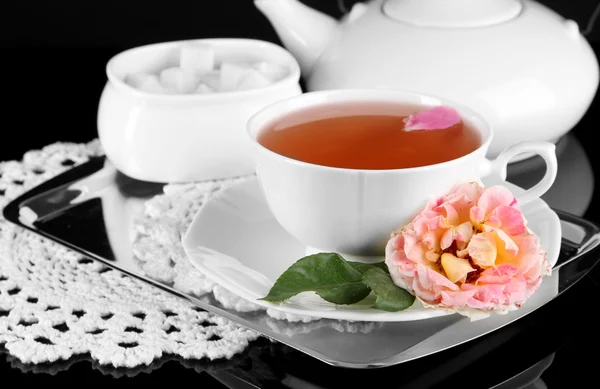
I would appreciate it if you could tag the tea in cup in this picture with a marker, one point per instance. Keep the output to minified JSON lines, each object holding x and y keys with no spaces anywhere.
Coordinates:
{"x":340,"y":173}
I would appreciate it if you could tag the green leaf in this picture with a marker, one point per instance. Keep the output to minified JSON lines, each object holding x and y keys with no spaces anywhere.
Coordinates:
{"x":390,"y":297}
{"x":349,"y":294}
{"x":363,"y":267}
{"x":327,"y":274}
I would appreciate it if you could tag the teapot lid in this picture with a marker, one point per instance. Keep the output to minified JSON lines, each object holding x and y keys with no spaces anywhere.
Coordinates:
{"x":452,"y":13}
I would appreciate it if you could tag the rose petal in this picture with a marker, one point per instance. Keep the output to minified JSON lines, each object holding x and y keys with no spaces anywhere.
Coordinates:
{"x":477,"y":217}
{"x":447,"y":239}
{"x":495,"y":197}
{"x":455,"y":268}
{"x":529,"y":259}
{"x":452,"y":216}
{"x":433,"y":279}
{"x":490,"y":293}
{"x":432,"y":256}
{"x":505,"y":243}
{"x":427,"y":222}
{"x":393,"y":245}
{"x":464,"y":232}
{"x":509,"y":219}
{"x":460,"y":234}
{"x":457,"y":299}
{"x":482,"y":249}
{"x":409,"y":240}
{"x":516,"y":291}
{"x":436,"y":118}
{"x":433,"y":239}
{"x":456,"y":208}
{"x":424,"y":293}
{"x":498,"y":275}
{"x":462,"y":253}
{"x":472,"y":190}
{"x":417,"y":252}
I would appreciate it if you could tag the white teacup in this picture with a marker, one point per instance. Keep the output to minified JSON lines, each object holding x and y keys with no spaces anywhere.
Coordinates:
{"x":352,"y":211}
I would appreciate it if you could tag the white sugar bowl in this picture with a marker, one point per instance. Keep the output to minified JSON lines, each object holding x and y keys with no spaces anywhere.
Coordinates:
{"x":171,"y":113}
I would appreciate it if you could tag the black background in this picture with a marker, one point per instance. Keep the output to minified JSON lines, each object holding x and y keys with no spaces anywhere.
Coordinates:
{"x":53,"y":53}
{"x":52,"y":60}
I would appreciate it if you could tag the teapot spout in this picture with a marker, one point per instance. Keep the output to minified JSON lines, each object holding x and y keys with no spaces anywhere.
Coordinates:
{"x":304,"y":31}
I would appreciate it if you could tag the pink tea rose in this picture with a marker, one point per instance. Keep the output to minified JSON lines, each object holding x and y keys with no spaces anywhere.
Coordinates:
{"x":469,"y":251}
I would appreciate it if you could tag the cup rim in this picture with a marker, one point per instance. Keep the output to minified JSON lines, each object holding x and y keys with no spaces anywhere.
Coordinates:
{"x":258,"y":44}
{"x":368,"y":95}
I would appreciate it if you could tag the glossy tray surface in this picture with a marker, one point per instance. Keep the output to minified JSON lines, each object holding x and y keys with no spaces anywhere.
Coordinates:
{"x":71,"y":210}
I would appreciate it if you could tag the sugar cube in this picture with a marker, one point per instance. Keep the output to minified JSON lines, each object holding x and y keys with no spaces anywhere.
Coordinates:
{"x":272,"y":70}
{"x":197,"y":56}
{"x":253,"y":80}
{"x":179,"y":80}
{"x":232,"y":74}
{"x":151,"y":84}
{"x":203,"y":89}
{"x":211,"y":79}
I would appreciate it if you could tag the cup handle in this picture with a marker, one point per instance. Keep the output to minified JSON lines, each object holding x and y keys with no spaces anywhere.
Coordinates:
{"x":546,"y":150}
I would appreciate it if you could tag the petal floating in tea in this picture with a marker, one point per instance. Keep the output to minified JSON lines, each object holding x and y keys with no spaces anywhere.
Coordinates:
{"x":436,"y":118}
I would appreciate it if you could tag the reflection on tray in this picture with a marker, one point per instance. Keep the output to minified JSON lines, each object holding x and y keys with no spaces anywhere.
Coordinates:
{"x":91,"y":210}
{"x":263,"y":365}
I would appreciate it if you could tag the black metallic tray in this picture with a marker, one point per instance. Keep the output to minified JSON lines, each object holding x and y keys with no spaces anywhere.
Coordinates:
{"x":82,"y":226}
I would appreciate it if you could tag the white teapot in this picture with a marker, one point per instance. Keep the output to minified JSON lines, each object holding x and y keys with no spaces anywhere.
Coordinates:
{"x":528,"y":70}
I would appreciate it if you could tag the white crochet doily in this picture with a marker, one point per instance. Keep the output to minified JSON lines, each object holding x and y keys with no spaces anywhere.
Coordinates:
{"x":160,"y":255}
{"x":56,"y":304}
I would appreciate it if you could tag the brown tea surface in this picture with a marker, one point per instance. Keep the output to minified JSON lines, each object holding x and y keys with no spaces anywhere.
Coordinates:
{"x":363,"y":141}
